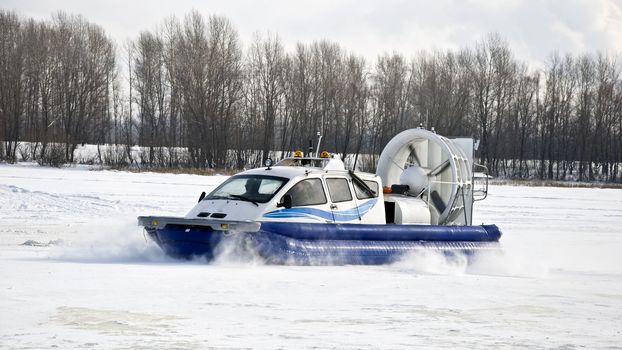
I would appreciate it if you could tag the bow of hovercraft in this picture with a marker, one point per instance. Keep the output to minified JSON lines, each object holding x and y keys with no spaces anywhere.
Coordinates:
{"x":190,"y":238}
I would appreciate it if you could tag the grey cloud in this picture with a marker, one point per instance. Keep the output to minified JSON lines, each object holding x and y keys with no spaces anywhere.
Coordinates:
{"x":533,"y":28}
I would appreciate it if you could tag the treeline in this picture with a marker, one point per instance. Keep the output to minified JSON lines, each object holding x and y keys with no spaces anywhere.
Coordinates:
{"x":57,"y":81}
{"x":192,"y":95}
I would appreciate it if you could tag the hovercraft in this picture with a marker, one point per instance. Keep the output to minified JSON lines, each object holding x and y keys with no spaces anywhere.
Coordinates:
{"x":311,"y":210}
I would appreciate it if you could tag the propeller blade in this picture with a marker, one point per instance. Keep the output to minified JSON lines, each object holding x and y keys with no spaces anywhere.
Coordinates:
{"x":437,"y":201}
{"x":413,"y":152}
{"x":439,"y":169}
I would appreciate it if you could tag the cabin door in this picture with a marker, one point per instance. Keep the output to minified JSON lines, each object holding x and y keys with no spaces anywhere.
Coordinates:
{"x":309,"y":202}
{"x":341,"y":202}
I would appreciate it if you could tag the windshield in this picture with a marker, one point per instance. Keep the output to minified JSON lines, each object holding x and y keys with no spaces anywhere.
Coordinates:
{"x":250,"y":188}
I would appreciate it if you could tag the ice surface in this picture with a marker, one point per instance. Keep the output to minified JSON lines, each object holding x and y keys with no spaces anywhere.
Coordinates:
{"x":89,"y":279}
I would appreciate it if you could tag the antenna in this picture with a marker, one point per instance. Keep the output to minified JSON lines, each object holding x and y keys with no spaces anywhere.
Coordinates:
{"x":319,"y":141}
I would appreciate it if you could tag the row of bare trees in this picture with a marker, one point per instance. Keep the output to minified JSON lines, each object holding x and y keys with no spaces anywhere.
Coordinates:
{"x":191,"y":95}
{"x":57,"y":79}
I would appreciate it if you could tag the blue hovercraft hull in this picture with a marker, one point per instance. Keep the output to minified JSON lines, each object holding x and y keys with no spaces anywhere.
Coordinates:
{"x":308,"y":243}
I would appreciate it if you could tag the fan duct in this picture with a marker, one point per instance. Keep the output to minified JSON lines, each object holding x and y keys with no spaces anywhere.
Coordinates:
{"x":436,"y":169}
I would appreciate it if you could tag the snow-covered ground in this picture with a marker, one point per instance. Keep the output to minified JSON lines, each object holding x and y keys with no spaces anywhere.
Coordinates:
{"x":88,"y":279}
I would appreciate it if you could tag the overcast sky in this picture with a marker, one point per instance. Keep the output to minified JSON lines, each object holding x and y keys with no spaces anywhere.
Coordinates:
{"x":533,"y":28}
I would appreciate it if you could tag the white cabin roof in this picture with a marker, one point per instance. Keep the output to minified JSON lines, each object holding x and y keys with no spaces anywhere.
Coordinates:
{"x":333,"y":163}
{"x":283,"y":169}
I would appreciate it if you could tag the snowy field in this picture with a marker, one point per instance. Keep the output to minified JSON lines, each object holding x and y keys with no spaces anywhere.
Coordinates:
{"x":86,"y":277}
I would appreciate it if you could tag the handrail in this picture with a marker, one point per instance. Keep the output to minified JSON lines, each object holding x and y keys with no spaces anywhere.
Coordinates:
{"x":483,"y":192}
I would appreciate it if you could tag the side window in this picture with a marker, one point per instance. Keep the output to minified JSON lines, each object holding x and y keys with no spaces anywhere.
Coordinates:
{"x":339,"y":190}
{"x":361,"y":193}
{"x":307,"y":192}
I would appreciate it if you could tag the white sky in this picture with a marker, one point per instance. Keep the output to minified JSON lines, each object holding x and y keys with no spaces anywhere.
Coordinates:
{"x":533,"y":28}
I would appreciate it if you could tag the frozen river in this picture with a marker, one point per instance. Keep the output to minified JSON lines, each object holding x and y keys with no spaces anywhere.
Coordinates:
{"x":100,"y":285}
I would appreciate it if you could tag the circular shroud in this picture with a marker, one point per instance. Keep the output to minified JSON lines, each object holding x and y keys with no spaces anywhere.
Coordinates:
{"x":442,"y":173}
